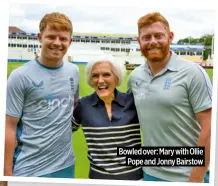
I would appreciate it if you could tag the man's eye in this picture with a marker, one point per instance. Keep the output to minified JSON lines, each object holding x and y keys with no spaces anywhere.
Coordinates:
{"x":145,"y":37}
{"x":94,"y":75}
{"x":63,"y":39}
{"x":51,"y":37}
{"x":158,"y":36}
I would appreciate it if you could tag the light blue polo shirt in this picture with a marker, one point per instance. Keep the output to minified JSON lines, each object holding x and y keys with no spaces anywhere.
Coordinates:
{"x":43,"y":99}
{"x":166,"y":106}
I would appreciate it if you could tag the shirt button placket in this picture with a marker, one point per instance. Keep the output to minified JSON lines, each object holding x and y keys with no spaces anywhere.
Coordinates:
{"x":149,"y":87}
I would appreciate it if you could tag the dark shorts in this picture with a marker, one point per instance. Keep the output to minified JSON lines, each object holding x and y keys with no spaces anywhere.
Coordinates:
{"x":136,"y":175}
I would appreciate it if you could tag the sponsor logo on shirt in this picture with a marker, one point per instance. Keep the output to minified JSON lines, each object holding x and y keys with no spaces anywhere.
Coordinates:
{"x":139,"y":95}
{"x":52,"y":102}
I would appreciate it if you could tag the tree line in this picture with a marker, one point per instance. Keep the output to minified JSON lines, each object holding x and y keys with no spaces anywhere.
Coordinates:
{"x":206,"y":40}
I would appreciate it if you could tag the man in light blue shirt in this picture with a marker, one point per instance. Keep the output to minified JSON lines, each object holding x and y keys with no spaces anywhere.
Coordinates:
{"x":40,"y":101}
{"x":173,"y":98}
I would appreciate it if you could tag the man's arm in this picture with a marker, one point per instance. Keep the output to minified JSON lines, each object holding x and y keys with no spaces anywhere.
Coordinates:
{"x":10,"y":143}
{"x":200,"y":97}
{"x":14,"y":109}
{"x":204,"y":118}
{"x":76,"y":119}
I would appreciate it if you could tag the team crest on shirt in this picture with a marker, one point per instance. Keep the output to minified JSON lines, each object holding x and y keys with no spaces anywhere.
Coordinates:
{"x":167,"y":83}
{"x":38,"y":85}
{"x":72,"y":83}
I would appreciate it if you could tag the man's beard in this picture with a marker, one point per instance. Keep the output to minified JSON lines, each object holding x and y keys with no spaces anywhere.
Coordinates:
{"x":164,"y":51}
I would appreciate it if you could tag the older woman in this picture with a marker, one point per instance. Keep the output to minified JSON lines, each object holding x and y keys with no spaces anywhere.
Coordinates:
{"x":109,"y":119}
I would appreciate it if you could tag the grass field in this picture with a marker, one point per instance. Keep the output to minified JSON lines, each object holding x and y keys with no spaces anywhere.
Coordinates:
{"x":79,"y":143}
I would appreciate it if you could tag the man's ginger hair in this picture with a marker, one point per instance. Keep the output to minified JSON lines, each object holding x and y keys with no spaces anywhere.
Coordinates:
{"x":151,"y":18}
{"x":56,"y":20}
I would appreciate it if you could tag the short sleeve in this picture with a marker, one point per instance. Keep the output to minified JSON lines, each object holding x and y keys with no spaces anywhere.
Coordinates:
{"x":76,"y":95}
{"x":199,"y":89}
{"x":15,"y":95}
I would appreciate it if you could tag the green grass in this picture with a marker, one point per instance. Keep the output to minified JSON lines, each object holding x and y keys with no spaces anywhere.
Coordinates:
{"x":210,"y":73}
{"x":79,"y":142}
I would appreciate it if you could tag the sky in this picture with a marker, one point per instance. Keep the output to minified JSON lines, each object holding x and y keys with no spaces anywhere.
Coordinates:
{"x":104,"y":18}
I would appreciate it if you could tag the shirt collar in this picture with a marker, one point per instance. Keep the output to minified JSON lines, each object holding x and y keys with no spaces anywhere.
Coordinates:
{"x":172,"y":64}
{"x":119,"y":98}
